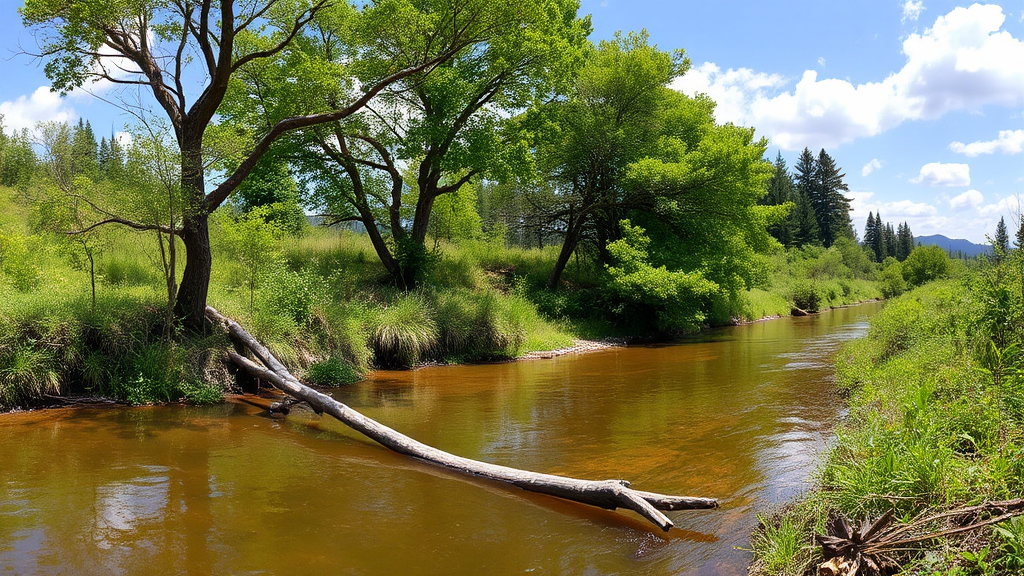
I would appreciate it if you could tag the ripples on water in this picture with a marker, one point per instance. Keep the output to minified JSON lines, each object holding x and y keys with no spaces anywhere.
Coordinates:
{"x":741,"y":414}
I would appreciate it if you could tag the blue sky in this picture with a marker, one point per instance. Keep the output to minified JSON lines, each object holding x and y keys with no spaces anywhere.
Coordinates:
{"x":919,"y":101}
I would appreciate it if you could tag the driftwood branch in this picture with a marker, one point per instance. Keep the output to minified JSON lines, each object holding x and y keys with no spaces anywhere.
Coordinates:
{"x":609,"y":494}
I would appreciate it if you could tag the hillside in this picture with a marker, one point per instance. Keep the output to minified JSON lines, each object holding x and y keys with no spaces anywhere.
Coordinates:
{"x":954,"y":245}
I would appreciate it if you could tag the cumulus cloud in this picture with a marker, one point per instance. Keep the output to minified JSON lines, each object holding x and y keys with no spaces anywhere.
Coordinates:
{"x":963,"y":62}
{"x":870,"y":167}
{"x":1009,"y":206}
{"x":969,"y":199}
{"x":912,"y":9}
{"x":42,"y":105}
{"x":1009,"y":142}
{"x":939,"y":174}
{"x":732,"y":90}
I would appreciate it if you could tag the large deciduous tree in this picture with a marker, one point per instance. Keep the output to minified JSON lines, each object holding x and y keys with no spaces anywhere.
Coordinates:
{"x":585,"y":141}
{"x":167,"y":47}
{"x":430,"y":135}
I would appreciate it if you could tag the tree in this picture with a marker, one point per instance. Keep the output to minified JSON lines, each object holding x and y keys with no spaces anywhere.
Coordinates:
{"x":61,"y":202}
{"x":1001,"y":242}
{"x":889,"y":237}
{"x":904,"y":242}
{"x":446,"y":132}
{"x":161,"y":45}
{"x":806,"y":223}
{"x":831,"y":208}
{"x":781,"y":191}
{"x":925,"y":263}
{"x":1020,"y":235}
{"x":609,"y":119}
{"x":873,"y":237}
{"x":17,"y":158}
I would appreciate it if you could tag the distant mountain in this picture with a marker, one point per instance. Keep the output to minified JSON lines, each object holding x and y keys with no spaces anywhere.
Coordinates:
{"x":954,"y":245}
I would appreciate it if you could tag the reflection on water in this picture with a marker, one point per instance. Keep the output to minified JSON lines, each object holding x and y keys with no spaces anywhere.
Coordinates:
{"x":740,"y":414}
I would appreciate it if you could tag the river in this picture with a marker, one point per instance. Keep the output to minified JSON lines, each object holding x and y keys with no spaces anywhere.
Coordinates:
{"x":740,"y":413}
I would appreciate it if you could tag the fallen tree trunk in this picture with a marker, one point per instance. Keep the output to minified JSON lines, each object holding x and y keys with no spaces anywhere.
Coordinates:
{"x":609,"y":494}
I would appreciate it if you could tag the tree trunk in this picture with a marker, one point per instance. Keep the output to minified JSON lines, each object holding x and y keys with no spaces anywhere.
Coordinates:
{"x":608,"y":494}
{"x":190,"y":305}
{"x":572,"y":238}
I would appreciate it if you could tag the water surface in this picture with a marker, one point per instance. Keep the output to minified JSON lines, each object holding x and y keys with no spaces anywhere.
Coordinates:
{"x":740,"y":414}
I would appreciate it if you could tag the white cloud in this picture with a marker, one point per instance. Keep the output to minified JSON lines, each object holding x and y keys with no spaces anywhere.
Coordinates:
{"x":27,"y":111}
{"x":1009,"y":206}
{"x":1009,"y":142}
{"x":870,"y":167}
{"x":912,"y":9}
{"x":924,"y":219}
{"x":963,"y":62}
{"x":731,"y":90}
{"x":821,"y":61}
{"x":939,"y":174}
{"x":969,"y":199}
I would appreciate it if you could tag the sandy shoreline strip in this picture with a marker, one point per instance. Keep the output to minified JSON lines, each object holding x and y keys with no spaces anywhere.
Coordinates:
{"x":578,"y":347}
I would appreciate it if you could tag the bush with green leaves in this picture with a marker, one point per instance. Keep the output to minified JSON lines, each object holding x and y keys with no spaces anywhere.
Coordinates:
{"x":924,"y":264}
{"x":331,"y":372}
{"x":678,"y":300}
{"x":891,"y":279}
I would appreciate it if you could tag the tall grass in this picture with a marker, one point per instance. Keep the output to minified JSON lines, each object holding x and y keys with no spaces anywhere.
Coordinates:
{"x":927,"y":428}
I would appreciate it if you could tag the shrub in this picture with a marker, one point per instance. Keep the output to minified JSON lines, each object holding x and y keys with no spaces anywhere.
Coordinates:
{"x":924,"y":264}
{"x":121,"y":271}
{"x":678,"y":300}
{"x":331,"y":372}
{"x":805,"y":296}
{"x":891,"y":278}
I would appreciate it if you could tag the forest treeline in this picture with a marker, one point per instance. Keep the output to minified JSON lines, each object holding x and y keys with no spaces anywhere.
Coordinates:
{"x":485,"y":180}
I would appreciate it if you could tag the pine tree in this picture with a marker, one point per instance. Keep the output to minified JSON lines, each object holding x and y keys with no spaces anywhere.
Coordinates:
{"x":890,"y":240}
{"x":780,"y":191}
{"x":84,"y":149}
{"x":103,"y":158}
{"x":830,"y":206}
{"x":115,"y":157}
{"x":1002,"y":240}
{"x":1020,"y":234}
{"x":807,"y":231}
{"x":871,"y":237}
{"x":904,"y":242}
{"x":806,"y":224}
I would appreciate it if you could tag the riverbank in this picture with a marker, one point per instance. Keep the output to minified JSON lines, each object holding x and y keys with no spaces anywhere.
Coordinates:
{"x":935,"y":422}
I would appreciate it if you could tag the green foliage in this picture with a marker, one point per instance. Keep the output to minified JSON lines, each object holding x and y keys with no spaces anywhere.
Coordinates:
{"x":676,"y":299}
{"x":891,"y":278}
{"x":17,"y":261}
{"x":1010,"y":538}
{"x":805,"y":296}
{"x":929,"y":426}
{"x":331,"y":372}
{"x":255,"y":242}
{"x":924,"y":264}
{"x":778,"y":545}
{"x":403,"y":333}
{"x":455,"y":217}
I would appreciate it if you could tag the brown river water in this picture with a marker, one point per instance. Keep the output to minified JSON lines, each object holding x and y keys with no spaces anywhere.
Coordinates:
{"x":741,"y":414}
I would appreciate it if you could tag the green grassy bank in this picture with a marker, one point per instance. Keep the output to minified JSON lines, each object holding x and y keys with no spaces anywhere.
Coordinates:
{"x":936,"y":413}
{"x":320,"y":298}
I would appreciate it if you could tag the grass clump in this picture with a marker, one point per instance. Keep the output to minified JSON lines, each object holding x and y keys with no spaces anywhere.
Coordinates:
{"x":403,"y":332}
